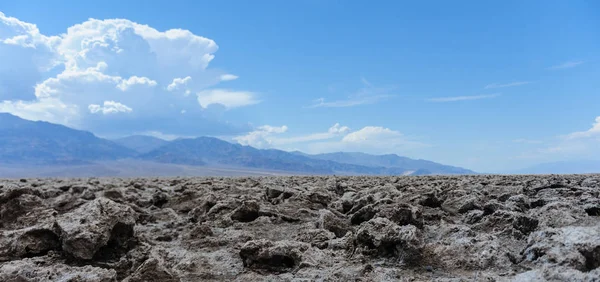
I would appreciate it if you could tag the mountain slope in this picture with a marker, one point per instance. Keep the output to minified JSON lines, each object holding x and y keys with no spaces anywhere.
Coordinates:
{"x":392,"y":161}
{"x":208,"y":150}
{"x":213,"y":151}
{"x":36,"y":142}
{"x":141,"y":143}
{"x":27,"y":142}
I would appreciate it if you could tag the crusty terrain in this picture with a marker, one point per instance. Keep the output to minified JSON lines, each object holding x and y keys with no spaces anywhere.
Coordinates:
{"x":442,"y":228}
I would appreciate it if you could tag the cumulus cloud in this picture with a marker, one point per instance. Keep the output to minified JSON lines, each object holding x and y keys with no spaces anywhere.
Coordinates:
{"x":227,"y":98}
{"x":338,"y":129}
{"x":377,"y":136}
{"x":57,"y":78}
{"x":135,"y":80}
{"x":592,"y":132}
{"x":267,"y":136}
{"x":178,"y":82}
{"x":333,"y":132}
{"x":16,"y":32}
{"x":261,"y":137}
{"x":110,"y":107}
{"x":24,"y":54}
{"x":46,"y":109}
{"x":373,"y":139}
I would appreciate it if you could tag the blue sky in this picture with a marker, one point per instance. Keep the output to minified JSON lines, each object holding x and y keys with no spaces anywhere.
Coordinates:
{"x":491,"y":86}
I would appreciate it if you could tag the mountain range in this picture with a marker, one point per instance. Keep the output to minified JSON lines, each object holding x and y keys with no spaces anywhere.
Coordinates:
{"x":34,"y":143}
{"x":43,"y":143}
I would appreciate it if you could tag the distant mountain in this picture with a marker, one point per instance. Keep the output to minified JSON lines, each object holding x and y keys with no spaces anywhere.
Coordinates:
{"x":565,"y":167}
{"x":141,"y":143}
{"x":76,"y":152}
{"x":213,"y":151}
{"x":392,"y":161}
{"x":208,"y":150}
{"x":36,"y":142}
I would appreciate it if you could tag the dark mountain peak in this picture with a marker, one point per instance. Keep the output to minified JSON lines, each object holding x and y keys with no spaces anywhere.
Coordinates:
{"x":6,"y":115}
{"x":9,"y":120}
{"x":38,"y":142}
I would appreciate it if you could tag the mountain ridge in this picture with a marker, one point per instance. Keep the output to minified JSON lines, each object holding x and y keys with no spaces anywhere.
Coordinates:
{"x":42,"y":143}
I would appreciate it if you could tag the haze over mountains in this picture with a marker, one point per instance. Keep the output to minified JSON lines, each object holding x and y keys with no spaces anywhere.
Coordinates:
{"x":25,"y":143}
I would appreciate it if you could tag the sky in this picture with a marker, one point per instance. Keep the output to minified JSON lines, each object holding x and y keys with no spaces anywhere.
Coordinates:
{"x":492,"y":86}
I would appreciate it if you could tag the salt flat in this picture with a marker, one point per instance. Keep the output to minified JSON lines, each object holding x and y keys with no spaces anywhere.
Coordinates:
{"x":317,"y":228}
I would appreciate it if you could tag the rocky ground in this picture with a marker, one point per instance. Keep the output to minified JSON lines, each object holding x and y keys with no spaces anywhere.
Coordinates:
{"x":463,"y":228}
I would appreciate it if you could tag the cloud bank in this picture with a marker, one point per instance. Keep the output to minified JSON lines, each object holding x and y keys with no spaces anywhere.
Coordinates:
{"x":104,"y":71}
{"x":371,"y":139}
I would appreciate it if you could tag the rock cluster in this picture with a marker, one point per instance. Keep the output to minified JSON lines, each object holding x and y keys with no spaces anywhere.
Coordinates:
{"x":303,"y":228}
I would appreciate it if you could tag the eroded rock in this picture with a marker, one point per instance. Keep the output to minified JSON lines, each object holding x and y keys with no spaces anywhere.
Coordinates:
{"x":382,"y":237}
{"x":39,"y":270}
{"x":577,"y":247}
{"x":301,"y":228}
{"x":90,"y":227}
{"x":280,"y":256}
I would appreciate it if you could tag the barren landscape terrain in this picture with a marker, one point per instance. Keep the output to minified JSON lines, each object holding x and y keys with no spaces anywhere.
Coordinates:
{"x":301,"y":228}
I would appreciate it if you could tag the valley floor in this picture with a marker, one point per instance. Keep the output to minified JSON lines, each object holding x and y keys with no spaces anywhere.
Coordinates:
{"x":309,"y":228}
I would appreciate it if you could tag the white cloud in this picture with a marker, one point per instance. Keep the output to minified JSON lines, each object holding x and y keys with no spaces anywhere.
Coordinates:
{"x":110,"y":107}
{"x":262,"y":137}
{"x":228,"y":77}
{"x":16,"y":32}
{"x":273,"y":129}
{"x":566,"y":65}
{"x":462,"y":98}
{"x":511,"y":84}
{"x":372,"y":134}
{"x":228,"y":98}
{"x":369,"y":139}
{"x":177,"y":82}
{"x":46,"y":109}
{"x":333,"y":132}
{"x":373,"y":139}
{"x":135,"y":80}
{"x":56,"y":78}
{"x":338,"y":129}
{"x":267,"y":136}
{"x":594,"y":131}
